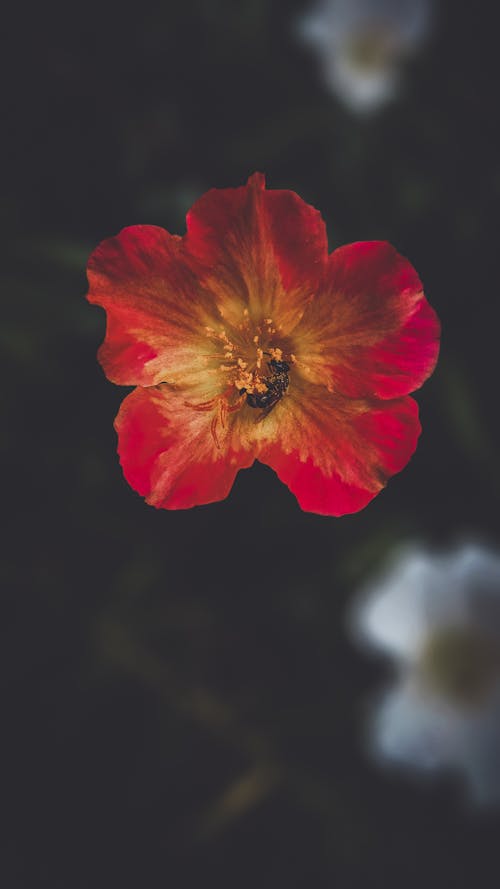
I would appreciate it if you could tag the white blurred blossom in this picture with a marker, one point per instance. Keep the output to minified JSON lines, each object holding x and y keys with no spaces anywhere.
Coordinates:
{"x":362,"y":45}
{"x":438,"y":618}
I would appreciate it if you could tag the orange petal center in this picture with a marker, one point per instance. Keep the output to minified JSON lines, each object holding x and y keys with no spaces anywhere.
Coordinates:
{"x":242,"y":353}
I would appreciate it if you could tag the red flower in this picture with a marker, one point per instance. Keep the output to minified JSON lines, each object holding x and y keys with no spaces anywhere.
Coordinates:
{"x":246,"y":340}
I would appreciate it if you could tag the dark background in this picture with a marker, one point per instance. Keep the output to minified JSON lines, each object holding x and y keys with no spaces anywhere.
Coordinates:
{"x":181,"y":704}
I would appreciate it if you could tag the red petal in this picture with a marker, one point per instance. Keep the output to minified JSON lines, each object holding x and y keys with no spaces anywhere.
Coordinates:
{"x":336,"y":463}
{"x":168,"y":454}
{"x":154,"y":306}
{"x":267,"y":249}
{"x":370,"y":332}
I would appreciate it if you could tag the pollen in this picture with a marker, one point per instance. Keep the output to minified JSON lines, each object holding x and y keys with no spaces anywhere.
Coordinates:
{"x":259,"y":386}
{"x":276,"y":354}
{"x":244,"y":381}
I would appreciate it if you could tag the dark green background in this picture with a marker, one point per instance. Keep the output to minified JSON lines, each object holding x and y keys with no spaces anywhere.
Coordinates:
{"x":181,"y":705}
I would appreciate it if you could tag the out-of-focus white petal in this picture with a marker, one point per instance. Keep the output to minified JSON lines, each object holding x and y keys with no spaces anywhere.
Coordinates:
{"x":465,"y":588}
{"x":477,"y":572}
{"x":411,"y":728}
{"x":362,"y":90}
{"x":478,"y":754}
{"x":438,"y":616}
{"x":362,"y":43}
{"x":391,"y":614}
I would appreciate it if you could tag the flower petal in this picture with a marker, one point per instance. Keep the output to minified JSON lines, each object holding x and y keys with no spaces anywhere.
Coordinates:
{"x":393,"y":613}
{"x":410,"y":727}
{"x":154,"y":303}
{"x":168,"y":453}
{"x":370,"y":332}
{"x":267,"y":249}
{"x":335,"y":458}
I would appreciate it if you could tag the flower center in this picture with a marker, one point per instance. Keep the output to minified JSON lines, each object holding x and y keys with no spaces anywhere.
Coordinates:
{"x":372,"y":50}
{"x":252,"y":360}
{"x":254,"y":356}
{"x":461,"y":664}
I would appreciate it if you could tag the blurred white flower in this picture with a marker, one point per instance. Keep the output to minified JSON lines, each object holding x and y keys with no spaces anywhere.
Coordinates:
{"x":438,"y":617}
{"x":362,"y":44}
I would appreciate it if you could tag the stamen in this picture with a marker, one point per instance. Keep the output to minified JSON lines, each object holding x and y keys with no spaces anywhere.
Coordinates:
{"x":222,"y":412}
{"x":213,"y":430}
{"x":244,"y":381}
{"x":223,"y":355}
{"x":231,"y":408}
{"x":202,"y":406}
